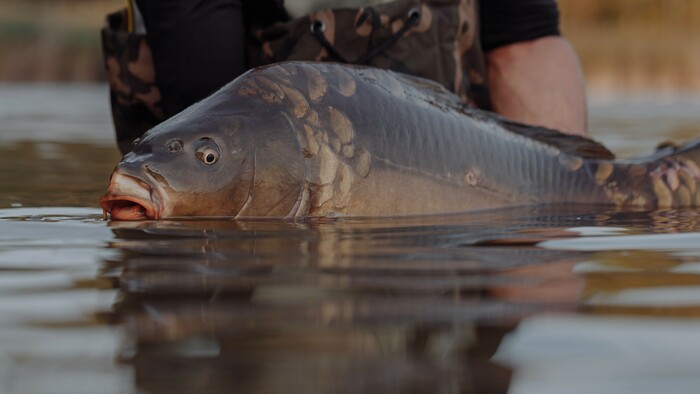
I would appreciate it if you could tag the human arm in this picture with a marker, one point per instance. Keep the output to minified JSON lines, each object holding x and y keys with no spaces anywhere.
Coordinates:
{"x":539,"y":82}
{"x":533,"y":73}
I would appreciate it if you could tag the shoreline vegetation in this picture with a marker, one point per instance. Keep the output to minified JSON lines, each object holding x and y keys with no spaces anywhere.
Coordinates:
{"x":624,"y":45}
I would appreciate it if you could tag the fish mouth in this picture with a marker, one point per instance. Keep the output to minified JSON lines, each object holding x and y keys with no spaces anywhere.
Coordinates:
{"x":129,"y":198}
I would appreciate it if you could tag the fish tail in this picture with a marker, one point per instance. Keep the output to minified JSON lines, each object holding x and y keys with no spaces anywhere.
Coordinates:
{"x":674,"y":175}
{"x":669,"y":178}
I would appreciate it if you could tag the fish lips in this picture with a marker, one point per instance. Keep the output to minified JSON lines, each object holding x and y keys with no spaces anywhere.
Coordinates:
{"x":130,"y":198}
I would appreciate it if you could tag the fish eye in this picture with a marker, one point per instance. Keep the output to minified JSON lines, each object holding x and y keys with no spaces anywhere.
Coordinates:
{"x":209,"y":156}
{"x":207,"y":152}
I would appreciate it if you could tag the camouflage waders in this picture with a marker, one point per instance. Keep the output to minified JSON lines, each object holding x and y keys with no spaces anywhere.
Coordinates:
{"x":134,"y":96}
{"x":435,"y":39}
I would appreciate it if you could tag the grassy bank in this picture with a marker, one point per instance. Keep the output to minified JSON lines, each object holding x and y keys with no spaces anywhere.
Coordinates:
{"x":623,"y":44}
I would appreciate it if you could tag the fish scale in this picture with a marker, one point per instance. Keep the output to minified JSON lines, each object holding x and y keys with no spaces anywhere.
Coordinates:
{"x":331,"y":139}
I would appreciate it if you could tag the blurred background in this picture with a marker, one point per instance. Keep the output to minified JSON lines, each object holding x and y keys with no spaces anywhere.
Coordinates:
{"x":52,"y":40}
{"x":630,"y":45}
{"x":624,"y":45}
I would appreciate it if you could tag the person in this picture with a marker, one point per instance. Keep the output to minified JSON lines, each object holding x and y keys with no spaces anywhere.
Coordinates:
{"x":532,"y":73}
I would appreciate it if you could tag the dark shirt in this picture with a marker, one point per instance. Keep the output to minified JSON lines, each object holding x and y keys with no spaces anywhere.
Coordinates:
{"x":199,"y":45}
{"x":506,"y":22}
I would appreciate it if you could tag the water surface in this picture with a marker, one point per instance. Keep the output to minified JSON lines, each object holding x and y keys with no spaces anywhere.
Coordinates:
{"x":554,"y":299}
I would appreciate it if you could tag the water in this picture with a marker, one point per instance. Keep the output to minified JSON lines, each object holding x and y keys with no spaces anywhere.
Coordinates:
{"x":526,"y":300}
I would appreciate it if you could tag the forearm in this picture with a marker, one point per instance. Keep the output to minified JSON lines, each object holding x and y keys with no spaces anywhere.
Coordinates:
{"x":539,"y":82}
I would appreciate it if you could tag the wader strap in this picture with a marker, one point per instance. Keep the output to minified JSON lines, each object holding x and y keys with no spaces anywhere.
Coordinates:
{"x":317,"y":29}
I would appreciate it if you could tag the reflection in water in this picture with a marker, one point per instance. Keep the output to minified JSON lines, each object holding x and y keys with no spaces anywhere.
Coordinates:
{"x":339,"y":306}
{"x":415,"y":305}
{"x":607,"y":355}
{"x":407,"y":305}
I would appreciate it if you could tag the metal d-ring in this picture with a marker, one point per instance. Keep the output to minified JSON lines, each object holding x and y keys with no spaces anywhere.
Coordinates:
{"x":319,"y":26}
{"x":414,"y":13}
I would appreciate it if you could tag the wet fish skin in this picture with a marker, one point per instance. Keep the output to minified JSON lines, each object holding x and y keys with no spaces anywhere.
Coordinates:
{"x":265,"y":160}
{"x":315,"y":139}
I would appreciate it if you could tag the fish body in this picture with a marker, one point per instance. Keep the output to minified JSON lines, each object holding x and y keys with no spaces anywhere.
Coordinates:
{"x":305,"y":139}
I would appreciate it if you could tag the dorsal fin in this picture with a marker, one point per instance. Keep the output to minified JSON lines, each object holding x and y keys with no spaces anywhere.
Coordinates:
{"x":567,"y":143}
{"x":667,"y":146}
{"x":570,"y":144}
{"x":583,"y":147}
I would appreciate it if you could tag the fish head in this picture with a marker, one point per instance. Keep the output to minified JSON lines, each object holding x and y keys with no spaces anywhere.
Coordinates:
{"x":223,"y":157}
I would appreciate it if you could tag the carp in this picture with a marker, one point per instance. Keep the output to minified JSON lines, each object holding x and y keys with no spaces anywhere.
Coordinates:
{"x":302,"y":139}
